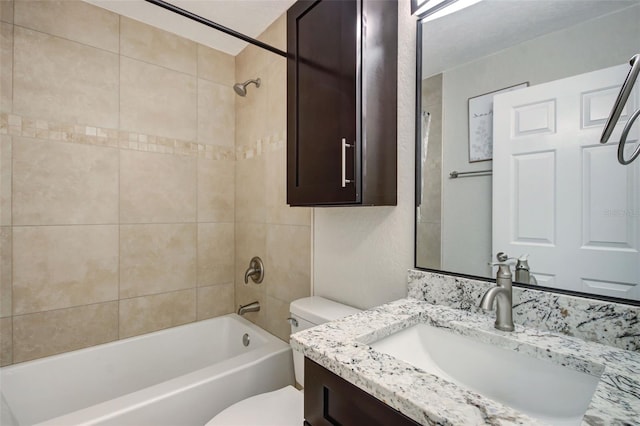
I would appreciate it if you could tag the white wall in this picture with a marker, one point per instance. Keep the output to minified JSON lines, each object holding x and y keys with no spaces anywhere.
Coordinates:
{"x":361,"y":254}
{"x":466,"y":227}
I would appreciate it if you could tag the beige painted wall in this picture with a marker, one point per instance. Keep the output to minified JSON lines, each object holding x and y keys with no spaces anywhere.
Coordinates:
{"x":265,"y":225}
{"x":117,"y":183}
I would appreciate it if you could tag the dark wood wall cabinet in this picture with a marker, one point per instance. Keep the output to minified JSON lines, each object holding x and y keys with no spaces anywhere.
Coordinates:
{"x":342,"y":102}
{"x":331,"y":400}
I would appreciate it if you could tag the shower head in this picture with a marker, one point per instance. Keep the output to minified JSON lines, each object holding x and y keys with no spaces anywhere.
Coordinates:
{"x":241,"y":88}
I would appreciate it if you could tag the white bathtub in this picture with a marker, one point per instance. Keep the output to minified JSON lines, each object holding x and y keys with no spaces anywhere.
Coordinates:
{"x":179,"y":376}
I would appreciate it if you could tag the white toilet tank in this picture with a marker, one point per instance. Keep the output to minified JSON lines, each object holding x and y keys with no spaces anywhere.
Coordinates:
{"x":309,"y":312}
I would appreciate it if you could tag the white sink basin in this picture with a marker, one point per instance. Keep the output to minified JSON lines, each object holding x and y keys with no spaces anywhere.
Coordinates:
{"x":539,"y":388}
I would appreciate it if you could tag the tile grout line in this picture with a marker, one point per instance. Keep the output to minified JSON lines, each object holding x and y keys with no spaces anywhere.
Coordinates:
{"x":117,"y":300}
{"x":13,"y":69}
{"x":197,"y":260}
{"x":118,"y":334}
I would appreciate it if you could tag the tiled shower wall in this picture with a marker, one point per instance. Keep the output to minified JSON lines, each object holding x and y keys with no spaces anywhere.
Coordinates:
{"x":429,"y":223}
{"x":117,"y":180}
{"x":265,"y":225}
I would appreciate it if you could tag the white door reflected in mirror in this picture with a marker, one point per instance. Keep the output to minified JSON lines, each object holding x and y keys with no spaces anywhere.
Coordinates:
{"x":555,"y":187}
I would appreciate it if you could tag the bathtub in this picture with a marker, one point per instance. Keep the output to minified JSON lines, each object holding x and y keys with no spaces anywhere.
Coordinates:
{"x":178,"y":376}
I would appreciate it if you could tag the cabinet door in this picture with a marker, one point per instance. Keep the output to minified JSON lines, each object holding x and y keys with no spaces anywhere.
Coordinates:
{"x":330,"y":400}
{"x":321,"y":101}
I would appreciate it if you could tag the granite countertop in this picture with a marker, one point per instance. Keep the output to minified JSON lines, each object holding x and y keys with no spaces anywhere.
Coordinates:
{"x":342,"y":347}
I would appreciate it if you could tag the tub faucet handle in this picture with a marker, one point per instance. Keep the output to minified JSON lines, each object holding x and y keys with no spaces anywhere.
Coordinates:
{"x":255,"y":271}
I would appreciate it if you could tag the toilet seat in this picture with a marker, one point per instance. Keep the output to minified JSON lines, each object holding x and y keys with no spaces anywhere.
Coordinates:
{"x":282,"y":407}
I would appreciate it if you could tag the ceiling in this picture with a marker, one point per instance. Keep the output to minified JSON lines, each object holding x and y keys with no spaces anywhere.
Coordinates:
{"x":250,"y":17}
{"x":479,"y":30}
{"x":493,"y":25}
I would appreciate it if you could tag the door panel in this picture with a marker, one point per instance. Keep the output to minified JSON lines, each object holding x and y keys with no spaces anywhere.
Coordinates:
{"x":324,"y":102}
{"x":558,"y":194}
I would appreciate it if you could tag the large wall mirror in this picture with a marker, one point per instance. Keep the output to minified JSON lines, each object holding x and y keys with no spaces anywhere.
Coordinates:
{"x":513,"y":98}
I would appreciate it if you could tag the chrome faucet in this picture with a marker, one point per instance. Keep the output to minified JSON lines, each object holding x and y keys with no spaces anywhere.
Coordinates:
{"x":250,"y":307}
{"x":502,"y":295}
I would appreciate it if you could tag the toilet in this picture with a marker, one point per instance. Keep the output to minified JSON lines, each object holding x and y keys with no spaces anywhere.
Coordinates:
{"x":284,"y":406}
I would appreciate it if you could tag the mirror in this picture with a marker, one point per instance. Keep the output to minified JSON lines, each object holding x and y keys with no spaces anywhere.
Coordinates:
{"x":513,"y":97}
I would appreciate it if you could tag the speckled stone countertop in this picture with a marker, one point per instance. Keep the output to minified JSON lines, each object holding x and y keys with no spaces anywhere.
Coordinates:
{"x":343,"y":347}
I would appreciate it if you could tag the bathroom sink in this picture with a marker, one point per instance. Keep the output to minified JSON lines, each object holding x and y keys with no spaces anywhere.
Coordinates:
{"x":539,"y":388}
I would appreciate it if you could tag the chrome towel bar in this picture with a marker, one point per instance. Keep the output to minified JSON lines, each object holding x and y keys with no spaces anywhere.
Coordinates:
{"x":455,"y":174}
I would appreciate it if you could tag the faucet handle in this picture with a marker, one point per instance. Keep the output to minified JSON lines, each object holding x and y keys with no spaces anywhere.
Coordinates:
{"x":508,"y":262}
{"x":504,"y":268}
{"x":502,"y":256}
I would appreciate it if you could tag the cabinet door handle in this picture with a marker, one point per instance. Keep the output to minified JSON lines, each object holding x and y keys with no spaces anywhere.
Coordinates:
{"x":345,"y":145}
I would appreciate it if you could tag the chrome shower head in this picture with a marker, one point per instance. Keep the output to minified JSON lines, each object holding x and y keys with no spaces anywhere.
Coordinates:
{"x":241,"y":88}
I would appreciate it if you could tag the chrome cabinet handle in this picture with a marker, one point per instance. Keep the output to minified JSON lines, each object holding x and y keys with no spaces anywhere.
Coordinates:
{"x":344,"y":179}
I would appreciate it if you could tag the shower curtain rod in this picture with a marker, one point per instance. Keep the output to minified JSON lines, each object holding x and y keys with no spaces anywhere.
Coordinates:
{"x":211,"y":24}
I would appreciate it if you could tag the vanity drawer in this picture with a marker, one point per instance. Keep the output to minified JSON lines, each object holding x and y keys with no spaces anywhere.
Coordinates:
{"x":331,"y":400}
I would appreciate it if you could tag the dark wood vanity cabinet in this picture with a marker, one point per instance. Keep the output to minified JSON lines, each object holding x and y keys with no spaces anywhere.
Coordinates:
{"x":331,"y":400}
{"x":342,"y":102}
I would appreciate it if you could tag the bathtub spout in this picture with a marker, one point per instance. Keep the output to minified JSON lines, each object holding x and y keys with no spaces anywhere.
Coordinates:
{"x":251,"y":307}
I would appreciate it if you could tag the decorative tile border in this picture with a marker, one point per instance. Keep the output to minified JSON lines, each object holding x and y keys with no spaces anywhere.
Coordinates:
{"x":16,"y":125}
{"x":269,"y":144}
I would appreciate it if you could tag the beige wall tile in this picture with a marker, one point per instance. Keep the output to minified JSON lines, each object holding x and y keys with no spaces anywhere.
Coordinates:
{"x":6,"y":11}
{"x":251,"y":62}
{"x":215,"y":300}
{"x":251,"y":240}
{"x":57,"y":183}
{"x":278,"y":211}
{"x":62,"y":266}
{"x":428,"y":253}
{"x":51,"y":72}
{"x":253,"y":59}
{"x":74,"y":20}
{"x":150,"y":313}
{"x":215,"y":253}
{"x":150,"y":44}
{"x":48,"y":333}
{"x":216,"y":114}
{"x":216,"y":66}
{"x":157,"y":258}
{"x":5,"y":271}
{"x":6,"y":70}
{"x":276,"y":322}
{"x":289,"y":257}
{"x":251,"y":200}
{"x":157,"y":101}
{"x":276,"y":87}
{"x":276,"y":34}
{"x":157,"y":188}
{"x":216,"y":190}
{"x":6,"y":341}
{"x":251,"y":115}
{"x":5,"y":180}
